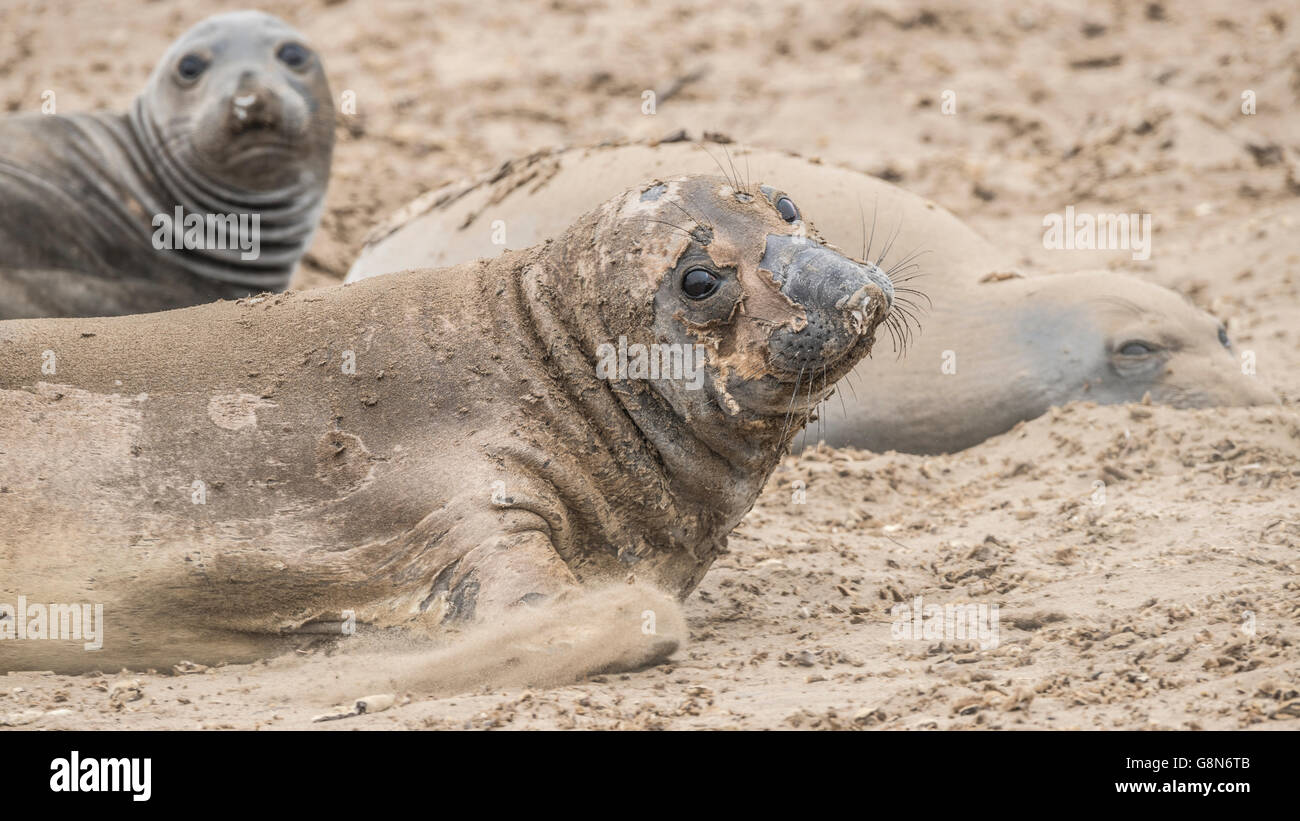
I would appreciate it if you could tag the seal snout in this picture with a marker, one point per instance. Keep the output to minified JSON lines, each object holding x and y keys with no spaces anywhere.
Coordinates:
{"x":843,"y":301}
{"x":254,"y":106}
{"x":859,"y":302}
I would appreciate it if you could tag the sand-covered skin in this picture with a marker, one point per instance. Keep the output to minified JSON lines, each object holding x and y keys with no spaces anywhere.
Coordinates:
{"x":1130,"y":613}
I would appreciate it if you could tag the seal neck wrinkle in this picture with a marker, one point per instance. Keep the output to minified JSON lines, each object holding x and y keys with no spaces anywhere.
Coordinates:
{"x":286,"y":218}
{"x":679,"y":433}
{"x":637,"y":453}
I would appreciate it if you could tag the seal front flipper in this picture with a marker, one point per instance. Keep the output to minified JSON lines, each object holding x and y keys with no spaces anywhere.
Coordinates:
{"x":506,"y":571}
{"x":518,"y":577}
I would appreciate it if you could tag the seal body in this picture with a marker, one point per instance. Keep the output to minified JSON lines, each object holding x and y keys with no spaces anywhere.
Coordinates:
{"x":993,"y":347}
{"x":210,"y":187}
{"x":434,"y":445}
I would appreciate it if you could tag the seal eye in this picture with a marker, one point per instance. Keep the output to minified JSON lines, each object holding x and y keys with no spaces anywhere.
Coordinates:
{"x":191,"y":66}
{"x":785,"y":206}
{"x":1136,"y":349}
{"x":700,"y":283}
{"x":1223,"y":338}
{"x":293,"y":55}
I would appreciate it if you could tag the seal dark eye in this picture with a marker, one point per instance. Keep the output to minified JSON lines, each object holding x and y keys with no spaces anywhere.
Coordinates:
{"x":700,"y":283}
{"x":1136,"y":349}
{"x":1223,"y":338}
{"x":191,"y":66}
{"x":293,"y":55}
{"x":785,"y":206}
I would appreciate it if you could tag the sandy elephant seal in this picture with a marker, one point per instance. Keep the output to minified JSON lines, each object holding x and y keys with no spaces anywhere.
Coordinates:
{"x":210,"y":187}
{"x":994,"y":348}
{"x":437,"y":444}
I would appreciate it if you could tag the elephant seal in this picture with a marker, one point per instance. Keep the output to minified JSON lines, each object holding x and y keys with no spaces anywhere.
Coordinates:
{"x":995,"y":348}
{"x":434,"y":445}
{"x":210,"y":187}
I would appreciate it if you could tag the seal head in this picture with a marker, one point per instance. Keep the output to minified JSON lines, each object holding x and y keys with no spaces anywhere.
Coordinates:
{"x":241,"y":102}
{"x":765,"y":315}
{"x":1111,"y":338}
{"x":723,"y":270}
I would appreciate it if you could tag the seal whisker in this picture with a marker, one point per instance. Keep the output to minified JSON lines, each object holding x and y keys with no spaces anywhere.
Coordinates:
{"x":905,"y":309}
{"x":901,"y":348}
{"x":848,"y":380}
{"x":875,"y":210}
{"x":904,"y":338}
{"x":906,"y":322}
{"x":1119,"y":301}
{"x":821,"y":414}
{"x":689,"y":215}
{"x":789,"y":412}
{"x":915,"y":254}
{"x":891,"y":325}
{"x":809,"y":409}
{"x":899,"y":323}
{"x":862,"y":217}
{"x":893,"y":337}
{"x":727,"y":153}
{"x":807,"y":416}
{"x":890,"y":244}
{"x":904,"y":295}
{"x":900,"y":288}
{"x":911,"y":307}
{"x":669,"y":224}
{"x":818,"y":411}
{"x":908,"y":272}
{"x":717,"y":163}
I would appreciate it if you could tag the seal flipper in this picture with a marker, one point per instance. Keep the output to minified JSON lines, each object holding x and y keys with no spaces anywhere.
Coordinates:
{"x":494,"y":581}
{"x":506,"y":571}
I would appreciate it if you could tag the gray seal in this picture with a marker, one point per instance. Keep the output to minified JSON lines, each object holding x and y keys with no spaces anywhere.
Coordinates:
{"x":436,"y":445}
{"x":210,"y":187}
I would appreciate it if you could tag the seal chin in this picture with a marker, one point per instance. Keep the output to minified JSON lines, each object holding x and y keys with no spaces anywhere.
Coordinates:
{"x":273,"y":152}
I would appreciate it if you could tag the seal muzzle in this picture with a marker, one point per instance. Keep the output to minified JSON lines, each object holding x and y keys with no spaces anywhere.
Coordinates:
{"x":843,"y":300}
